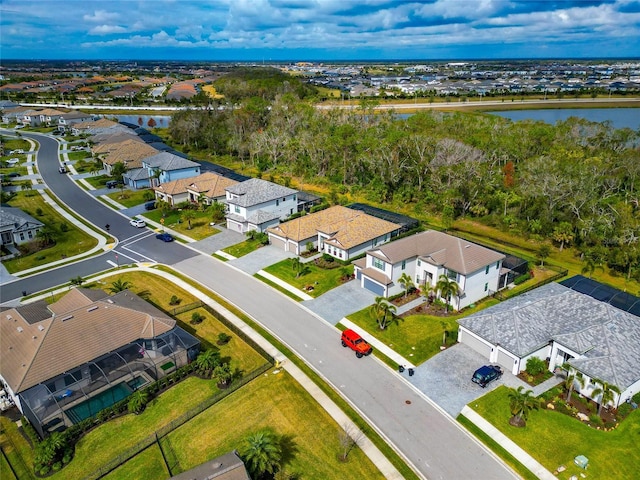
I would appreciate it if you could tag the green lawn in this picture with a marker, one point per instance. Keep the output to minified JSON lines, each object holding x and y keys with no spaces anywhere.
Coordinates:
{"x":555,"y":439}
{"x":130,"y":198}
{"x":72,"y":242}
{"x":79,"y":156}
{"x":416,"y":337}
{"x":280,"y":403}
{"x":241,"y":249}
{"x":11,"y":143}
{"x":17,"y":450}
{"x":322,"y":280}
{"x":148,"y":465}
{"x":200,"y":227}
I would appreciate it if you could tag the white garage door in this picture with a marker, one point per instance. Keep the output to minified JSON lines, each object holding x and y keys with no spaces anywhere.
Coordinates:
{"x":505,"y":360}
{"x":478,"y":345}
{"x":277,"y":242}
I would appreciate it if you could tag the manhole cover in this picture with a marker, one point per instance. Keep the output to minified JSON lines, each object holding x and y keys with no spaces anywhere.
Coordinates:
{"x":408,"y":402}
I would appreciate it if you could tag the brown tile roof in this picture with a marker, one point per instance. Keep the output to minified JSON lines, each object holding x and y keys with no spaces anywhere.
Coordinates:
{"x":77,"y":331}
{"x":347,"y":228}
{"x":439,"y":249}
{"x":129,"y":152}
{"x":211,"y":184}
{"x":100,"y":123}
{"x":174,"y":187}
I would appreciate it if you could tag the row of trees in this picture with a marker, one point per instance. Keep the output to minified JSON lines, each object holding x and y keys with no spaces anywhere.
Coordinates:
{"x":573,"y":183}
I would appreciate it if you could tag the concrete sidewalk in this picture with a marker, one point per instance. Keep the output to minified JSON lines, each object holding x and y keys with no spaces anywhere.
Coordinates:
{"x":369,"y":449}
{"x":501,"y":439}
{"x":289,"y":288}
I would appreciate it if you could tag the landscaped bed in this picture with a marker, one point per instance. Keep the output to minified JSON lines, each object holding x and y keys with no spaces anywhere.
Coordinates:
{"x":314,"y":280}
{"x":555,"y":439}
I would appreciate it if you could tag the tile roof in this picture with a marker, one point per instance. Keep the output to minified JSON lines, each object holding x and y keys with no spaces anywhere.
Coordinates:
{"x":439,"y":249}
{"x":168,"y":161}
{"x":78,"y":330}
{"x":210,"y":184}
{"x":256,"y":191}
{"x":174,"y":187}
{"x":608,"y":338}
{"x":346,"y":228}
{"x":14,"y":219}
{"x":129,"y":152}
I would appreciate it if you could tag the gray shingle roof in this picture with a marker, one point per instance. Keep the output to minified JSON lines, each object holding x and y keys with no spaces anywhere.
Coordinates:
{"x":168,"y":161}
{"x":256,"y":191}
{"x":606,"y":337}
{"x":15,"y":219}
{"x":439,"y":249}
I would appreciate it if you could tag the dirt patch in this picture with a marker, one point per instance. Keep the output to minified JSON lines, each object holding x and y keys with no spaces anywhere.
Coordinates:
{"x":405,"y":299}
{"x":427,"y":308}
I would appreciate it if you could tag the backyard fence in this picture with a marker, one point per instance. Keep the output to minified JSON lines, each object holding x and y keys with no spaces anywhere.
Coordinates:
{"x":170,"y":457}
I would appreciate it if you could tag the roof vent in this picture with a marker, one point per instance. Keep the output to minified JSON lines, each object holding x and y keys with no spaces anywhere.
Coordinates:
{"x":9,"y":317}
{"x":34,"y":337}
{"x":91,"y":309}
{"x":109,"y":300}
{"x":68,"y":317}
{"x":41,"y":328}
{"x":20,"y":329}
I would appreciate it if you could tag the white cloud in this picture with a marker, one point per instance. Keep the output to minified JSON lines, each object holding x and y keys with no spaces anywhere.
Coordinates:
{"x":107,"y":30}
{"x":101,"y":16}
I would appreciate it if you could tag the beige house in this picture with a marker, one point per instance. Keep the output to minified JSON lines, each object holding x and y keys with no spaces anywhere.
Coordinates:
{"x":130,"y":152}
{"x":62,"y":363}
{"x":339,"y":231}
{"x":210,"y":186}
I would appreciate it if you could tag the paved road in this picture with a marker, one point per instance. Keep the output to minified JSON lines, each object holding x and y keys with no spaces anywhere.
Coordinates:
{"x":429,"y":439}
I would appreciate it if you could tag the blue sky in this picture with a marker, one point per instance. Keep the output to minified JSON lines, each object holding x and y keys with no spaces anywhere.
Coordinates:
{"x":263,"y":30}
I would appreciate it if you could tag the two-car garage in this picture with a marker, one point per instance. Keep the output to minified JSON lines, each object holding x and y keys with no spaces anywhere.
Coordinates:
{"x":493,"y":353}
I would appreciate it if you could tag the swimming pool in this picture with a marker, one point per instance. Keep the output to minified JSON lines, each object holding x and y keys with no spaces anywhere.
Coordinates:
{"x":93,"y":405}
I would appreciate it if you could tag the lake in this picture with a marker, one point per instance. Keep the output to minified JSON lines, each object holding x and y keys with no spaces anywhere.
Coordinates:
{"x":619,"y":117}
{"x":161,"y":121}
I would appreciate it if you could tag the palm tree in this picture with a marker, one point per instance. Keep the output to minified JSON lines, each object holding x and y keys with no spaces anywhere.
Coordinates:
{"x":262,"y":453}
{"x":406,"y":282}
{"x":188,"y":215}
{"x":299,"y":267}
{"x":138,"y":401}
{"x":591,"y":265}
{"x":383,"y":312}
{"x":223,"y":373}
{"x":217,"y":211}
{"x":207,"y":361}
{"x":120,"y":286}
{"x":570,"y":382}
{"x":543,"y":252}
{"x":607,"y":393}
{"x":521,"y":403}
{"x":447,"y":288}
{"x":46,"y":235}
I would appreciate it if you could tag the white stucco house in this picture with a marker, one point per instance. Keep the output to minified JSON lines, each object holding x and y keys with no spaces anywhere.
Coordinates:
{"x":17,"y":227}
{"x":161,"y":168}
{"x":565,"y":327}
{"x":425,"y":257}
{"x":338,"y":231}
{"x":256,"y":204}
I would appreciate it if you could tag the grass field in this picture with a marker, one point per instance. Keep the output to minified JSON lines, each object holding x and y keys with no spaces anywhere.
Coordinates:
{"x":200,"y":225}
{"x":147,"y":465}
{"x":18,"y":452}
{"x":241,"y":249}
{"x":72,"y":242}
{"x":555,"y":439}
{"x":130,"y":198}
{"x":322,"y":280}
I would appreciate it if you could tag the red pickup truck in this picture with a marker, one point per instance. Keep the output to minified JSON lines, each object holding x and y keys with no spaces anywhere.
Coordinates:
{"x":356,"y":343}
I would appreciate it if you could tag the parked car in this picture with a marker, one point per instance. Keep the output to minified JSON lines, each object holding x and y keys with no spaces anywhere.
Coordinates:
{"x":112,"y":184}
{"x":62,"y":169}
{"x":165,"y":237}
{"x":13,"y":175}
{"x":150,"y":205}
{"x":356,"y":343}
{"x":16,"y":151}
{"x":486,"y":374}
{"x":137,"y":222}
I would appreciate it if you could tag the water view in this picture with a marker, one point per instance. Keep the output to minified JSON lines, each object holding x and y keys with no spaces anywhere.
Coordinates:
{"x":619,"y":117}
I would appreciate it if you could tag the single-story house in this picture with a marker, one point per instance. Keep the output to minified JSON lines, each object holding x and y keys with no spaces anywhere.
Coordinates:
{"x":565,"y":327}
{"x":161,"y":168}
{"x":425,"y":257}
{"x":339,"y":231}
{"x":226,"y":467}
{"x":17,"y":227}
{"x":209,"y":187}
{"x":63,"y":362}
{"x":92,"y":127}
{"x":130,"y":152}
{"x":257,"y":204}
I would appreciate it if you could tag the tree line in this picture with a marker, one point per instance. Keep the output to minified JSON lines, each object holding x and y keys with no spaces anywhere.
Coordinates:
{"x":574,"y":183}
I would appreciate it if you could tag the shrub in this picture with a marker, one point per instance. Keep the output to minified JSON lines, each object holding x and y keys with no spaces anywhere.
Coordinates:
{"x":223,"y":338}
{"x":196,"y":318}
{"x":175,"y":300}
{"x":624,"y":409}
{"x":610,"y":424}
{"x":39,"y":212}
{"x":327,"y":258}
{"x":596,"y":420}
{"x":636,"y":398}
{"x":44,"y":470}
{"x":535,"y":366}
{"x":64,"y":227}
{"x":521,"y":278}
{"x":57,"y":466}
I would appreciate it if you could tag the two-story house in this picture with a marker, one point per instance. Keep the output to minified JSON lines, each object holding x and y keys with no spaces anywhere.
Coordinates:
{"x":66,"y":120}
{"x":256,"y":204}
{"x":425,"y":257}
{"x":161,"y":168}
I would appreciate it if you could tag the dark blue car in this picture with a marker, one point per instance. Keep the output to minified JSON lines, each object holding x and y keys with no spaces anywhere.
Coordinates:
{"x":486,"y":374}
{"x":165,"y":237}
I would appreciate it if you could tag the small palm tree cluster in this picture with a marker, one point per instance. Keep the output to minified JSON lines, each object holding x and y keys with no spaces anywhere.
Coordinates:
{"x":262,"y":454}
{"x":447,"y":288}
{"x":209,"y":364}
{"x":51,"y":450}
{"x":521,"y":402}
{"x":383,"y":312}
{"x":138,"y":401}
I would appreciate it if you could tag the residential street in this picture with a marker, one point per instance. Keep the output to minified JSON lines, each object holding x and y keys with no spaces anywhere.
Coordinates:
{"x":427,"y":438}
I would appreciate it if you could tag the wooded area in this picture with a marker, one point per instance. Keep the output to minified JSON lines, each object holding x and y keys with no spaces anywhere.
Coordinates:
{"x":574,"y":183}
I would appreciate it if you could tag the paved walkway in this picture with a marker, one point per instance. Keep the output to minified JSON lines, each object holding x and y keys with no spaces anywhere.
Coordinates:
{"x":378,"y":345}
{"x":501,"y":439}
{"x":289,"y":288}
{"x":375,"y":455}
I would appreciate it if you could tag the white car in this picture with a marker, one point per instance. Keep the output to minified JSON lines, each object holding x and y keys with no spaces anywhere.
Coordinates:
{"x":137,"y":222}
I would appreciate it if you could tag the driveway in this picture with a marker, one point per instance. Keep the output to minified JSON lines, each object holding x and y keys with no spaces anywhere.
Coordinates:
{"x":340,"y":301}
{"x":261,"y":258}
{"x":216,"y":242}
{"x":446,"y":378}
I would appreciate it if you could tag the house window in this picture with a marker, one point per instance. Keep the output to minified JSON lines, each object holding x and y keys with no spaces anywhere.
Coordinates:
{"x":497,"y":265}
{"x":277,"y":202}
{"x":284,"y":199}
{"x":236,"y":208}
{"x":377,"y":263}
{"x":451,"y":275}
{"x":21,"y":236}
{"x":486,"y":287}
{"x":30,"y":234}
{"x":419,"y":263}
{"x":404,"y":264}
{"x":486,"y":272}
